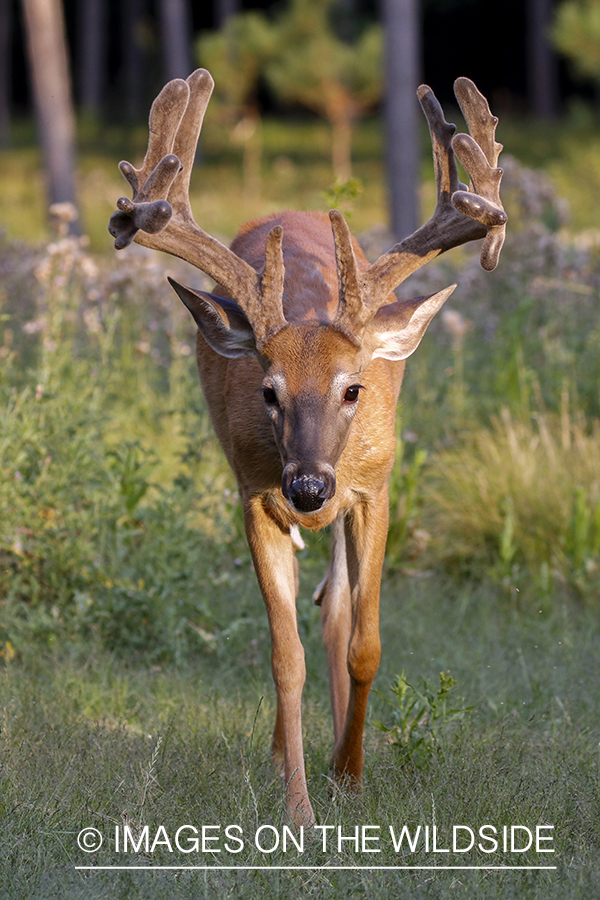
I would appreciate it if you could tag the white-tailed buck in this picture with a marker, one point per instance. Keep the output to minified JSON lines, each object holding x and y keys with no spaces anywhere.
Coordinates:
{"x":301,"y":353}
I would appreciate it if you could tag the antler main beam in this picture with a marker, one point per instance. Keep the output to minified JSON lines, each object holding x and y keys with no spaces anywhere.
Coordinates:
{"x":159,"y":215}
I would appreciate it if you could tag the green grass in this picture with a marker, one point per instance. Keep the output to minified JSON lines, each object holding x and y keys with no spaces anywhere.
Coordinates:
{"x":486,"y":503}
{"x":91,"y":740}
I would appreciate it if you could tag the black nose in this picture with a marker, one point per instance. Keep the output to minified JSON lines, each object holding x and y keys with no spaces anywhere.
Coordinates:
{"x":307,"y":493}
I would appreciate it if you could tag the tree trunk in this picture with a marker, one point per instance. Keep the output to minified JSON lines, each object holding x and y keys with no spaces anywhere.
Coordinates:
{"x":541,"y":60}
{"x":92,"y":55}
{"x":49,"y":67}
{"x":132,"y":13}
{"x":224,"y":9}
{"x":5,"y":71}
{"x":402,"y":66}
{"x":176,"y":30}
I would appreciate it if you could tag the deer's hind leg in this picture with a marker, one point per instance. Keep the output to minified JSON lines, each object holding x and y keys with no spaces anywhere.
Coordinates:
{"x":333,"y":596}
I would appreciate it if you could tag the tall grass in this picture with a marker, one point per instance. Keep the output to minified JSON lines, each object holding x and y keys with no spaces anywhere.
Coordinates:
{"x":521,"y":501}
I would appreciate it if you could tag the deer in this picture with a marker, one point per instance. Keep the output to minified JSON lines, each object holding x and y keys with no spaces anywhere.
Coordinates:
{"x":301,"y":350}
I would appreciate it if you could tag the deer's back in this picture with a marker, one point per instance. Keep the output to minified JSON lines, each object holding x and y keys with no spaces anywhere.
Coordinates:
{"x":310,"y":285}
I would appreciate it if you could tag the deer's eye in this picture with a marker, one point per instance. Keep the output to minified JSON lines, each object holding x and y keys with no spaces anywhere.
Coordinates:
{"x":270,"y":396}
{"x":351,"y":395}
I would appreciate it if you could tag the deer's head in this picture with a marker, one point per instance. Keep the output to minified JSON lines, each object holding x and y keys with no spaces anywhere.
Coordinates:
{"x":313,"y":370}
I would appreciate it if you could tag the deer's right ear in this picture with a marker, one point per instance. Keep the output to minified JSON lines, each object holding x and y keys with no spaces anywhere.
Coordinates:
{"x":221,"y":322}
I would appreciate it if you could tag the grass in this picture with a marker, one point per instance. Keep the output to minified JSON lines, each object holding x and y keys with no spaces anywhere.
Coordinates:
{"x":94,"y":741}
{"x":486,"y":500}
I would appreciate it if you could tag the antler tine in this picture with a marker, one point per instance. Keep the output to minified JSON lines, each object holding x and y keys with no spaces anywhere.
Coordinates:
{"x":442,"y":132}
{"x":200,"y":85}
{"x":352,"y":314}
{"x":479,"y":119}
{"x":176,"y":118}
{"x":166,"y":114}
{"x":149,"y":211}
{"x":267,"y":316}
{"x":479,"y":152}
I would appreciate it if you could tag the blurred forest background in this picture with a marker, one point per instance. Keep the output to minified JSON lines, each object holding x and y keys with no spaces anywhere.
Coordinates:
{"x":91,"y":68}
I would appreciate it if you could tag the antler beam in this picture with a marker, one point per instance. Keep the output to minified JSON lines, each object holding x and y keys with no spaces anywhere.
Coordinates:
{"x":159,"y":215}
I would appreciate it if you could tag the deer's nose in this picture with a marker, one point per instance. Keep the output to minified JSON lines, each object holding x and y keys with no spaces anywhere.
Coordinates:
{"x":307,"y":492}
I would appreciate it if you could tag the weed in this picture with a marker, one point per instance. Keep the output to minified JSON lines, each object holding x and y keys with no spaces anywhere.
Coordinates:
{"x":132,"y":467}
{"x":418,"y":717}
{"x":342,"y":194}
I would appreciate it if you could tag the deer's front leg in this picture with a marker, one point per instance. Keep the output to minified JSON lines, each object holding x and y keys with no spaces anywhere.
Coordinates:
{"x":366,"y":531}
{"x":273,"y":554}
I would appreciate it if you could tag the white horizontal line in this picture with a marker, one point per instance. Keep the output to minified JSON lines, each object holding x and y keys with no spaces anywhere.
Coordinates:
{"x":291,"y":868}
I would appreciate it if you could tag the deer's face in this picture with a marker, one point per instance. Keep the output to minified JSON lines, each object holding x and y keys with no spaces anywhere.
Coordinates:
{"x":312,"y":378}
{"x":311,"y":391}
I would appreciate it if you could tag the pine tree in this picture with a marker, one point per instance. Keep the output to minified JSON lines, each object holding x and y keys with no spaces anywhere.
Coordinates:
{"x":235,"y":57}
{"x":313,"y":67}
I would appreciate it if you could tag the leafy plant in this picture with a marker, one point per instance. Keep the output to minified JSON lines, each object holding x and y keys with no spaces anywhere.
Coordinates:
{"x":342,"y":194}
{"x":131,"y":467}
{"x":418,"y":716}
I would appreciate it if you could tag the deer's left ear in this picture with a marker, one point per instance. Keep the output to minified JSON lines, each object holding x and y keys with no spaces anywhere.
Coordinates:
{"x":396,"y":330}
{"x":221,"y":322}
